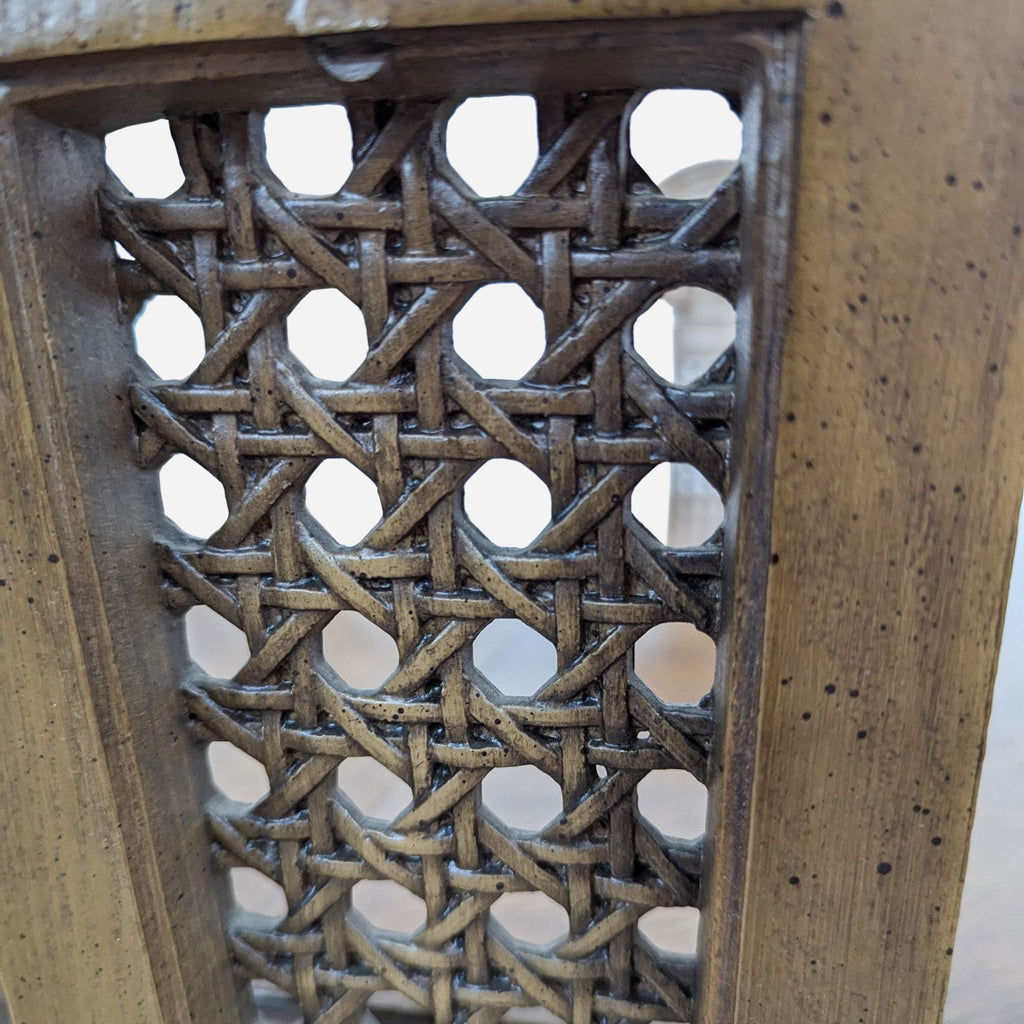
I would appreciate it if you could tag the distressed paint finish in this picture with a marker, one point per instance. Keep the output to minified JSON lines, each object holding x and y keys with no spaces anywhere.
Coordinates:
{"x":70,"y":932}
{"x":64,"y":27}
{"x":898,"y":478}
{"x":104,"y":873}
{"x":896,"y":101}
{"x":435,"y":584}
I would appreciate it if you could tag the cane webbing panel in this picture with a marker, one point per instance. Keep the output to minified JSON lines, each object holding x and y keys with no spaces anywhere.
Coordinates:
{"x":591,"y":239}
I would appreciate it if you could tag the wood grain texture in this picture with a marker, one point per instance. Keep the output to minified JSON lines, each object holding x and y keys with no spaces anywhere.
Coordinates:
{"x":768,"y":207}
{"x":309,"y":720}
{"x":69,"y":921}
{"x":61,"y":27}
{"x":120,"y":910}
{"x":898,"y":477}
{"x":897,"y":480}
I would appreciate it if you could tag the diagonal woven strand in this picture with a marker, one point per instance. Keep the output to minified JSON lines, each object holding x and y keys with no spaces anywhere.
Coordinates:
{"x":591,"y":240}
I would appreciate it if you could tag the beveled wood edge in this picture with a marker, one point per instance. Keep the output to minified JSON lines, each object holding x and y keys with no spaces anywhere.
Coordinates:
{"x":771,"y":185}
{"x":58,"y":789}
{"x":158,"y":927}
{"x":31,"y":29}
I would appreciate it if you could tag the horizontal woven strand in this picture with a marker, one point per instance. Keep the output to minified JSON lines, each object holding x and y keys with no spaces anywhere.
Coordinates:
{"x":594,"y":243}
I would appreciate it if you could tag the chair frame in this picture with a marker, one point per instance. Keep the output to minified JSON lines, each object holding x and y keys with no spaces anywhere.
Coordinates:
{"x":877,"y":604}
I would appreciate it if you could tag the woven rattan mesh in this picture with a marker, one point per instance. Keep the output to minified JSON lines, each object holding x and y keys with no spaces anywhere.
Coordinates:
{"x":592,"y":240}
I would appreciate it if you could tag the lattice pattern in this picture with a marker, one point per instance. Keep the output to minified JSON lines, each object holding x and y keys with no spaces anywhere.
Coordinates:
{"x":591,"y":239}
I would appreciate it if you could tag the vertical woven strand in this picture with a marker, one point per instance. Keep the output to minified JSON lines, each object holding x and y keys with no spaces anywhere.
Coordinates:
{"x":408,"y":240}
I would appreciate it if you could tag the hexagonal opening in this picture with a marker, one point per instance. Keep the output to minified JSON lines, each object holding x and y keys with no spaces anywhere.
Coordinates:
{"x":674,"y":802}
{"x":237,"y":775}
{"x":388,"y":906}
{"x":522,"y":797}
{"x":254,"y":892}
{"x":499,"y":332}
{"x":673,"y":129}
{"x":327,"y":334}
{"x":514,"y":657}
{"x":344,"y":500}
{"x":671,"y":929}
{"x":491,"y":142}
{"x":169,"y":337}
{"x":677,"y":505}
{"x":145,"y":159}
{"x":684,"y":333}
{"x":373,"y":790}
{"x":217,"y":646}
{"x":677,"y":661}
{"x":507,"y":502}
{"x":309,"y":148}
{"x":532,"y":917}
{"x":192,"y":497}
{"x":654,"y":338}
{"x":359,"y":651}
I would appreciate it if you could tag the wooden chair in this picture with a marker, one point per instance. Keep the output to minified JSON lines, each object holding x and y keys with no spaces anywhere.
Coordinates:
{"x":863,"y":432}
